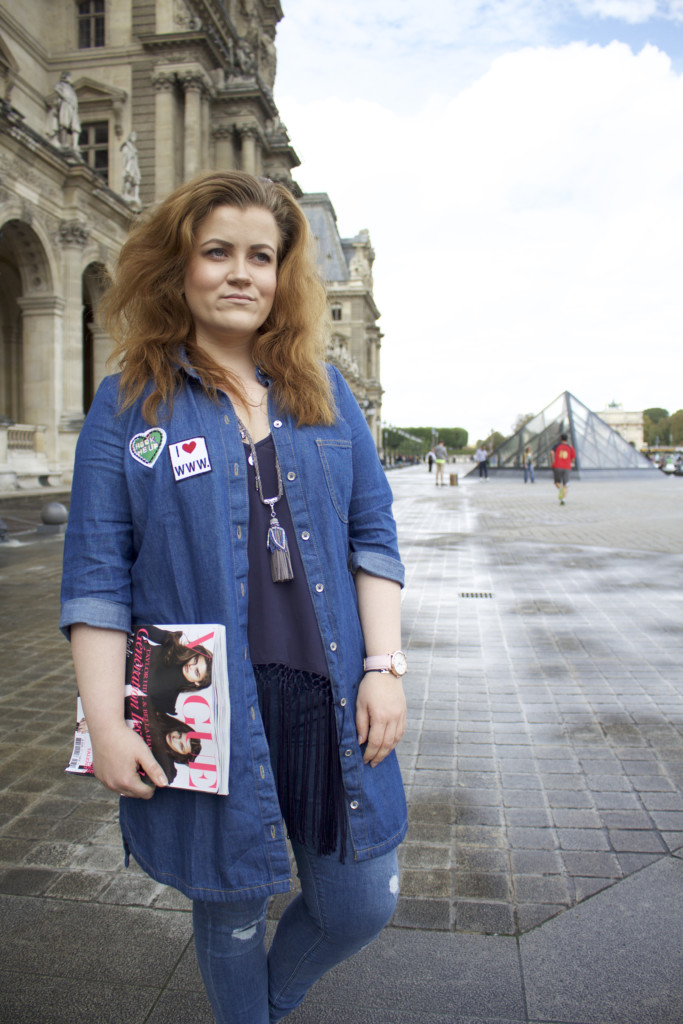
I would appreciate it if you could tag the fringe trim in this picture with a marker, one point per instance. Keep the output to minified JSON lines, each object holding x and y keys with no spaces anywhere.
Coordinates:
{"x":299,"y":722}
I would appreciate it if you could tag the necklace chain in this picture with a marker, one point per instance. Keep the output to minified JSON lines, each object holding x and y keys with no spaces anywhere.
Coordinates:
{"x":280,"y":560}
{"x":271,"y":502}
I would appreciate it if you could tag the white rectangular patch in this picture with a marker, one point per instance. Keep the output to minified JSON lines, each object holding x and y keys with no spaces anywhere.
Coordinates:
{"x":189,"y":458}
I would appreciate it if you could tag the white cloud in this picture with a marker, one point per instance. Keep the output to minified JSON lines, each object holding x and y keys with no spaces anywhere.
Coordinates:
{"x":527,"y":229}
{"x":631,"y":11}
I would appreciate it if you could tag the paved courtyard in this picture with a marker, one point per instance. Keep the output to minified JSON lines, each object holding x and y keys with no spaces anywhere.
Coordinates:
{"x":545,"y":755}
{"x":543,"y":764}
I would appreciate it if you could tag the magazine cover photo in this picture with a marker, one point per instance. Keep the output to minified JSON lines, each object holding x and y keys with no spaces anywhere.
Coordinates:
{"x":176,"y":699}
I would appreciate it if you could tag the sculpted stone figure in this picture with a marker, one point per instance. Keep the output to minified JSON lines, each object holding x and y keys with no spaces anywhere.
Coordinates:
{"x":67,"y":125}
{"x":131,"y":170}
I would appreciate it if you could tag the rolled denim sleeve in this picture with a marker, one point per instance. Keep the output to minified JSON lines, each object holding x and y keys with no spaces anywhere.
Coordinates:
{"x":98,"y":548}
{"x":373,"y":542}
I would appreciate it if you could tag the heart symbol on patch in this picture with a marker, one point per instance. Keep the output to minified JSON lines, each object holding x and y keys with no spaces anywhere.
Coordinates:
{"x":146,"y":447}
{"x":189,"y":447}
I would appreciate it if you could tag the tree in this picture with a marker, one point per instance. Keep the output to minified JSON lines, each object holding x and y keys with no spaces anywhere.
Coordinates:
{"x":676,"y":427}
{"x":494,"y":440}
{"x":522,"y":420}
{"x":656,"y":414}
{"x":453,"y":437}
{"x":656,"y":426}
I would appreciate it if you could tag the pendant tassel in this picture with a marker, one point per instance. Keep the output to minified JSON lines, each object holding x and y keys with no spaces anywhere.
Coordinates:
{"x":280,"y":559}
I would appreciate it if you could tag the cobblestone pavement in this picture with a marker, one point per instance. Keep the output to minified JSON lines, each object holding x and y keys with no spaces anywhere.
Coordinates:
{"x":544,"y":758}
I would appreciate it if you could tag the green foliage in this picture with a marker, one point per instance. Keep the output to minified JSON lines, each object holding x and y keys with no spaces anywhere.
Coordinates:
{"x":453,"y":437}
{"x":655,"y":414}
{"x":657,"y":431}
{"x":522,"y":420}
{"x":676,"y":427}
{"x":495,"y":440}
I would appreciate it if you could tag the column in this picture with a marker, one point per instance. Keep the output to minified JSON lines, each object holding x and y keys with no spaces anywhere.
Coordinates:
{"x":223,"y":147}
{"x":192,"y":85}
{"x":206,"y":123}
{"x":73,"y":238}
{"x":164,"y":155}
{"x":102,"y":348}
{"x":248,"y":136}
{"x":42,"y":334}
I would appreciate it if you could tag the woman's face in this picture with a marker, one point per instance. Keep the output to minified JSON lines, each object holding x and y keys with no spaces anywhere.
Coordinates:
{"x":231,"y":276}
{"x":195,"y":669}
{"x":179,"y":742}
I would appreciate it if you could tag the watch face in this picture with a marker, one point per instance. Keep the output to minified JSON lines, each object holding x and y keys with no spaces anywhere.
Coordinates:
{"x":399,"y":663}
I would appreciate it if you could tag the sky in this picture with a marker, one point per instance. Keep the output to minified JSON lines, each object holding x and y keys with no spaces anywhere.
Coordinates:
{"x":519,"y":166}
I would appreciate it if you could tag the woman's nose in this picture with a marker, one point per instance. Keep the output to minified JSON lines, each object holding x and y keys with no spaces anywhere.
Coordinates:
{"x":239,"y":269}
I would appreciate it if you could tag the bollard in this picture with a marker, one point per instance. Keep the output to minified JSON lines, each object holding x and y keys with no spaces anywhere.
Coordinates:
{"x":454,"y":479}
{"x":54,"y":516}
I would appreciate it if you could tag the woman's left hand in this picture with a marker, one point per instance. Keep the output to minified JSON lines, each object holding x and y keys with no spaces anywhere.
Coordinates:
{"x":380,"y":715}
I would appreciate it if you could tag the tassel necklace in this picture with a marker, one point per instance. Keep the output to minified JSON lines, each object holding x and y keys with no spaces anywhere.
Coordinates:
{"x":276,"y":542}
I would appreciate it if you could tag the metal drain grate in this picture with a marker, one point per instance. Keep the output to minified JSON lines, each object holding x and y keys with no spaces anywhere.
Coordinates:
{"x":475,"y":593}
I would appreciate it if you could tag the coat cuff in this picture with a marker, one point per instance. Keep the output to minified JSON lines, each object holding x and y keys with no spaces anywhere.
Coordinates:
{"x":94,"y":612}
{"x":377,"y":565}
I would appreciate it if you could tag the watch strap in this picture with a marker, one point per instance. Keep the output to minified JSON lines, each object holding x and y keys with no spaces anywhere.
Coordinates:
{"x":378,"y":663}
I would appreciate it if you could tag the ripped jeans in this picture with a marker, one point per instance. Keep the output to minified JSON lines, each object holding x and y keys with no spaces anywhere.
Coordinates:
{"x":340,"y":909}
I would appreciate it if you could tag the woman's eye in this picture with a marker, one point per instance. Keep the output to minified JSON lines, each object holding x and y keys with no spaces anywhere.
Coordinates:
{"x":217,"y":253}
{"x":262,"y":257}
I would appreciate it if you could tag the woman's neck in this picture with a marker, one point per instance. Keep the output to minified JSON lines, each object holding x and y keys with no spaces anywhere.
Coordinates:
{"x":251,"y":406}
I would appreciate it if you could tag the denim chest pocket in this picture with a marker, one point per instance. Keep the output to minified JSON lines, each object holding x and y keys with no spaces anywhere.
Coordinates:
{"x":337,"y":466}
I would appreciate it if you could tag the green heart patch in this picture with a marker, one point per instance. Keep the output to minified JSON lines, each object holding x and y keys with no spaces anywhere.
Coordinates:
{"x":148,"y":446}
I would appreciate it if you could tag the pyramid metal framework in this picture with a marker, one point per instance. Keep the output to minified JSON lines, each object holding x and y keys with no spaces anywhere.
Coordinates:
{"x":597,"y":445}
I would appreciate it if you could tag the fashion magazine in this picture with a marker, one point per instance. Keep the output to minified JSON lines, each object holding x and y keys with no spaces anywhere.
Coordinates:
{"x":177,"y":699}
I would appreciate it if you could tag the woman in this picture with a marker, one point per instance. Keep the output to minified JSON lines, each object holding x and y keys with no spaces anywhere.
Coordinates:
{"x":174,"y":668}
{"x":173,"y":742}
{"x":227,"y":476}
{"x":528,"y":460}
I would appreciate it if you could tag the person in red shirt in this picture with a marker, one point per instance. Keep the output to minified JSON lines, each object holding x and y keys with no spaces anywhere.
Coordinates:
{"x":563,"y":460}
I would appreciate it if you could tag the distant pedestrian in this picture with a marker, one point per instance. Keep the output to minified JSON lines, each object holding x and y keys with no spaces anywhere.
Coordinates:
{"x":528,"y":460}
{"x":482,"y":457}
{"x":440,"y":456}
{"x":563,"y":460}
{"x":430,"y":457}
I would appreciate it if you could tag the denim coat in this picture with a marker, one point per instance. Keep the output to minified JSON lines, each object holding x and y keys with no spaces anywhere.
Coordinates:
{"x":157,"y":536}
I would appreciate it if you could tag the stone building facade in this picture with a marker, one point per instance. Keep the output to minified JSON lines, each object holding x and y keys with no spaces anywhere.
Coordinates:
{"x":355,"y":338}
{"x":628,"y":424}
{"x":105,"y":106}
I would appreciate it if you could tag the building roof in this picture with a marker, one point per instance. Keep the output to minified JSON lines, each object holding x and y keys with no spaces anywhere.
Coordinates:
{"x":322,"y":218}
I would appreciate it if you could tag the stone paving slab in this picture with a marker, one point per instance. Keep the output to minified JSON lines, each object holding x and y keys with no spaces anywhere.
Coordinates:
{"x":612,"y":961}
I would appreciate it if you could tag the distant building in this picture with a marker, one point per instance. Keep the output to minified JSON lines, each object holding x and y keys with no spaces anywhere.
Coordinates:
{"x":104,"y":108}
{"x":355,"y":339}
{"x":628,"y":424}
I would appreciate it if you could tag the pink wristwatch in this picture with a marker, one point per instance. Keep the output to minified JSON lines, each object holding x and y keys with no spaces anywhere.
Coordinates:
{"x":396,"y":663}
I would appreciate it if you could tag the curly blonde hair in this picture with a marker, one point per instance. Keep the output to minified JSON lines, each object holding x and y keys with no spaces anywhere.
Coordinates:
{"x":145,"y":311}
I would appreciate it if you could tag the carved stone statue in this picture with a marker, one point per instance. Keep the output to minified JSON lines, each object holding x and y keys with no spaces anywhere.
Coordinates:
{"x":66,"y":125}
{"x":244,"y":58}
{"x":131,"y":170}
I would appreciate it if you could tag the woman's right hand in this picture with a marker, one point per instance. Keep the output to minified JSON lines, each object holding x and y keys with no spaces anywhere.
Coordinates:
{"x":119,"y":755}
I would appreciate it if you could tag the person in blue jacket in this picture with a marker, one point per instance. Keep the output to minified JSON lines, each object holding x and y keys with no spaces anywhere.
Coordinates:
{"x":227,"y":475}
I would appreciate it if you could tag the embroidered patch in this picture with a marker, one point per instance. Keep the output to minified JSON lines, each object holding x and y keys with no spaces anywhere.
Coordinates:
{"x":189,"y":458}
{"x":148,"y":446}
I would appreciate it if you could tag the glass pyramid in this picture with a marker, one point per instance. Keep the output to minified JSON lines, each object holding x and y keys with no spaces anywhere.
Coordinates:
{"x":597,"y":445}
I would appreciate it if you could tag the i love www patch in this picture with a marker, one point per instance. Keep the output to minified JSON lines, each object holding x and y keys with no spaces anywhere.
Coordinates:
{"x":147,"y":446}
{"x":189,"y":458}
